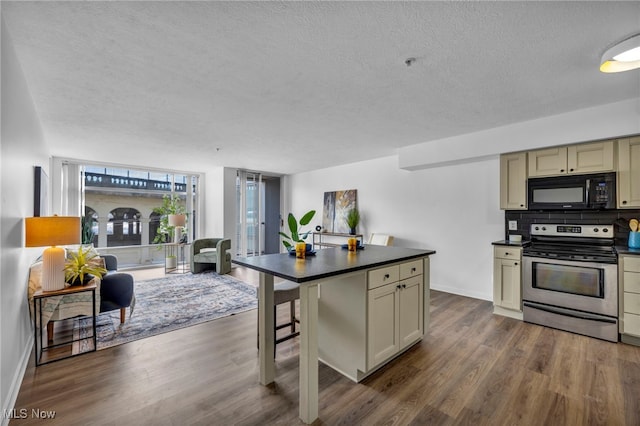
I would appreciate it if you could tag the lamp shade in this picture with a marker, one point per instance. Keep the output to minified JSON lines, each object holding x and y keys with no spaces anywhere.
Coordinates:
{"x":624,"y":56}
{"x":177,"y":219}
{"x":52,"y":231}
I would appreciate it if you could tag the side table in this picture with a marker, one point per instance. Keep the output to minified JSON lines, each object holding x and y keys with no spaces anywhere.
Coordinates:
{"x":175,"y":259}
{"x":41,"y":295}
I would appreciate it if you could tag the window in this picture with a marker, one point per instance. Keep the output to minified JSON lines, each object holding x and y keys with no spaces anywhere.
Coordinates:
{"x":124,"y":202}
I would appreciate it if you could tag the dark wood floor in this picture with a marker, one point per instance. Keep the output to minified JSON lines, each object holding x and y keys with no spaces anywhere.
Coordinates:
{"x":473,"y":367}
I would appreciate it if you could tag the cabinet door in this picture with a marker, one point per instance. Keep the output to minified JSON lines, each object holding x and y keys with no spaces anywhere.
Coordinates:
{"x":629,"y":173}
{"x":513,"y":181}
{"x":548,"y":162}
{"x":506,"y":283}
{"x":590,"y":157}
{"x":383,"y":303}
{"x":410,"y":311}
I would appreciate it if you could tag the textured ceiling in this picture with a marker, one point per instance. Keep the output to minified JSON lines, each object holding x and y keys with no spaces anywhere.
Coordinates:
{"x":288,"y":86}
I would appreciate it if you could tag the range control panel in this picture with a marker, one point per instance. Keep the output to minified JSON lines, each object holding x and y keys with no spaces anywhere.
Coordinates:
{"x":591,"y":231}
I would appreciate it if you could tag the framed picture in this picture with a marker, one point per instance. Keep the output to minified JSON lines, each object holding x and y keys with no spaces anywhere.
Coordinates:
{"x":40,"y":196}
{"x":336,"y":207}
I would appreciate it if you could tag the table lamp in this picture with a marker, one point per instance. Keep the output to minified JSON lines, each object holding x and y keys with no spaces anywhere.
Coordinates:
{"x":177,"y":221}
{"x":52,"y":231}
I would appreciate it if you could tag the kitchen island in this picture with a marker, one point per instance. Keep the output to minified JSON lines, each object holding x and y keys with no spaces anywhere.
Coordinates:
{"x":372,"y":282}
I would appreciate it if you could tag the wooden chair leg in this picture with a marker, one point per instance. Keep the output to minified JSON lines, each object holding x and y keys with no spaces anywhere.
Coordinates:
{"x":123,"y":315}
{"x":50,"y":331}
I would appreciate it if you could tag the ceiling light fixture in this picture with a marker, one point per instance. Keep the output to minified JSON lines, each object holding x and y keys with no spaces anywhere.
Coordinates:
{"x":624,"y":56}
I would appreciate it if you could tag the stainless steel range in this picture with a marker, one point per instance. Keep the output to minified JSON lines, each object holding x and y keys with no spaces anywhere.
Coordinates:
{"x":571,"y":279}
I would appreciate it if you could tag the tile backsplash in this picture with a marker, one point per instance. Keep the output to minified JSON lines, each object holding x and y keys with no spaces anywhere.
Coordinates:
{"x":619,"y":218}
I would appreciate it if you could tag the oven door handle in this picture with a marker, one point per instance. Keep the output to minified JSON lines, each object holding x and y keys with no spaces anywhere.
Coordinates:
{"x":567,"y":312}
{"x":587,"y":190}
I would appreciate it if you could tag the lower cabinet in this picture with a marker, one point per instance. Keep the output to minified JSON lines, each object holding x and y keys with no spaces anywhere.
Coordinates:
{"x":394,"y":319}
{"x":369,"y":318}
{"x":629,"y":307}
{"x":507,"y":281}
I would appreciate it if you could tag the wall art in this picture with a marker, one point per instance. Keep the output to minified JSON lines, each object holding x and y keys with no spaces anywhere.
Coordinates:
{"x":40,"y":195}
{"x":335,"y":209}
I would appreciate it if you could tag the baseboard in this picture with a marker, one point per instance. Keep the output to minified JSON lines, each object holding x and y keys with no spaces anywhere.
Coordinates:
{"x":459,"y":292}
{"x":507,"y":312}
{"x":16,"y":382}
{"x":630,"y":340}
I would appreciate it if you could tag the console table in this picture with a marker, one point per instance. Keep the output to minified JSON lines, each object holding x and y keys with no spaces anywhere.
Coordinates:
{"x":320,"y":239}
{"x":336,"y":268}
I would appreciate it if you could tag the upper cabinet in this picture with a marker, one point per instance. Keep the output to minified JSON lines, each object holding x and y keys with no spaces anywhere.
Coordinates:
{"x":513,"y":181}
{"x":574,"y":159}
{"x":629,"y":173}
{"x":548,"y":162}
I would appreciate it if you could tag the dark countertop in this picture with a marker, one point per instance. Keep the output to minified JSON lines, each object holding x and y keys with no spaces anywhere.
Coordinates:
{"x":522,"y":243}
{"x":627,"y":250}
{"x":329,"y":262}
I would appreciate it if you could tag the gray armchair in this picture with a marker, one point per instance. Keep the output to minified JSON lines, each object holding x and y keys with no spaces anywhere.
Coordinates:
{"x":116,"y":289}
{"x":211,"y":253}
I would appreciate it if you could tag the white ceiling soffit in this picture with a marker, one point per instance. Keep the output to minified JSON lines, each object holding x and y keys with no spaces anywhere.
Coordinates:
{"x":291,"y":86}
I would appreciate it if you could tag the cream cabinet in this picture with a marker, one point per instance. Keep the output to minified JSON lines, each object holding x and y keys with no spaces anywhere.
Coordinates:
{"x":507,"y":281}
{"x":513,"y":181}
{"x":629,"y":173}
{"x":574,"y":159}
{"x":374,"y":316}
{"x":395,"y":319}
{"x":629,"y":306}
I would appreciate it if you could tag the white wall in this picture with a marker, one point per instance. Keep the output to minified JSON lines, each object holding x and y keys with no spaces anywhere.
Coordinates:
{"x":22,"y":148}
{"x":453,"y":210}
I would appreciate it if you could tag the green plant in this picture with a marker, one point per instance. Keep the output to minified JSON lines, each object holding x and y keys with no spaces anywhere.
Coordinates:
{"x":171,"y":204}
{"x":79,"y":265}
{"x":87,"y":230}
{"x":353,"y":219}
{"x":295,"y":235}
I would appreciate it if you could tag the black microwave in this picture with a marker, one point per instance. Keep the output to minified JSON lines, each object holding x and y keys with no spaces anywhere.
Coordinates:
{"x":573,"y":192}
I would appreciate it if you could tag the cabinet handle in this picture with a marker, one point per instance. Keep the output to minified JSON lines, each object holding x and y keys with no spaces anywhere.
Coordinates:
{"x":624,"y":202}
{"x":570,"y":170}
{"x":413,"y":269}
{"x":521,"y":205}
{"x":398,"y":287}
{"x":404,"y":286}
{"x":515,"y":263}
{"x":506,"y":253}
{"x":386,"y":276}
{"x":561,"y":170}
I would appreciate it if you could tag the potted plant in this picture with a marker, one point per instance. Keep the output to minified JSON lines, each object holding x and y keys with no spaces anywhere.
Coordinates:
{"x":87,"y":233}
{"x":353,"y":219}
{"x":171,"y":205}
{"x":295,"y":235}
{"x":78,"y":270}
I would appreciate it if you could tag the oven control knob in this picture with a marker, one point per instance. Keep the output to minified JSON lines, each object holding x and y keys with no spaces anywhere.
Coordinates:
{"x":537,"y":228}
{"x":595,"y":229}
{"x":544,"y":228}
{"x":605,"y":230}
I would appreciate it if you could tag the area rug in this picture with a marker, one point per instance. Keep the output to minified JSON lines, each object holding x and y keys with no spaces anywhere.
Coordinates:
{"x":170,"y":303}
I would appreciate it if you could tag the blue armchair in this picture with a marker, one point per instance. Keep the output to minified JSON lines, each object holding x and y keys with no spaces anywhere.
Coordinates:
{"x":211,"y":253}
{"x":116,"y":288}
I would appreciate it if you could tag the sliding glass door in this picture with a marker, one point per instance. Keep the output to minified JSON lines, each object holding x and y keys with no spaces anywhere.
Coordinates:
{"x":258,"y":221}
{"x":250,"y":208}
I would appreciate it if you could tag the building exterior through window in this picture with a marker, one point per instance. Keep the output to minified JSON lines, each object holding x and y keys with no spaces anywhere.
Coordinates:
{"x":125,"y":208}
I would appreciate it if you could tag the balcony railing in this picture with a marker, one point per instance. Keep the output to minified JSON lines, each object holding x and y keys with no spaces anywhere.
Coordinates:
{"x":138,"y":256}
{"x":99,"y":180}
